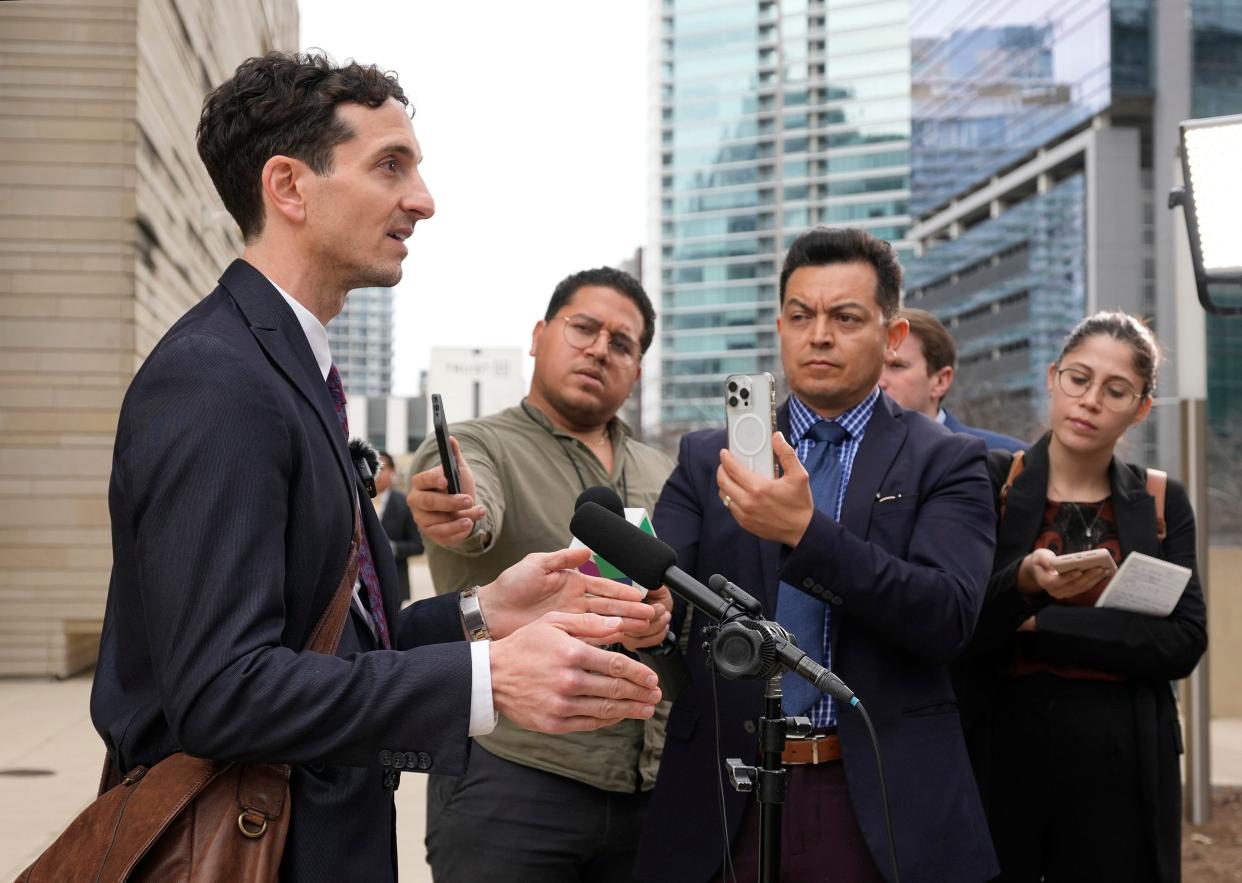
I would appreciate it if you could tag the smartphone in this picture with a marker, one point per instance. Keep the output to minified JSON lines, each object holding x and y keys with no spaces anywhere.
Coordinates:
{"x":447,"y":460}
{"x":750,"y":420}
{"x":1084,"y":561}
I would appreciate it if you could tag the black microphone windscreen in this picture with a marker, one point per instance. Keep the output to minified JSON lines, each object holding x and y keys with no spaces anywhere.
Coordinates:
{"x":638,"y":555}
{"x":603,"y":496}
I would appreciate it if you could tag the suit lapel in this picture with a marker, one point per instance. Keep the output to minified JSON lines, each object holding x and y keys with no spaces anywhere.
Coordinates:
{"x":881,"y":442}
{"x":278,"y":332}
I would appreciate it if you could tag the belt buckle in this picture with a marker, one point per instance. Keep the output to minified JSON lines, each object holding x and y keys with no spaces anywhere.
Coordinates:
{"x":815,"y":739}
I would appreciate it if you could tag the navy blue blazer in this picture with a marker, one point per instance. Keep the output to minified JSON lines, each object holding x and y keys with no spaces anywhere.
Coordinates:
{"x":994,"y":440}
{"x":232,"y":498}
{"x":905,"y":571}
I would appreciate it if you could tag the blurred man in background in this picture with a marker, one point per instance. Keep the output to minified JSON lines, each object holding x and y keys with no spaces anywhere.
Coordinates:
{"x":398,"y":523}
{"x":920,"y":373}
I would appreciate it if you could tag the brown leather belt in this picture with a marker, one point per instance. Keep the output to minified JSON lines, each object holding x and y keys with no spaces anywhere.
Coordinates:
{"x":820,"y":748}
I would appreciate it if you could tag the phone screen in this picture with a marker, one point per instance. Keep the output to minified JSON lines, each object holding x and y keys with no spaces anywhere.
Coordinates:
{"x":447,"y":460}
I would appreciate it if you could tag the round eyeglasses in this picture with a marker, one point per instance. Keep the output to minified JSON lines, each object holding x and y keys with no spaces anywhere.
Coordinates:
{"x":1115,"y":395}
{"x":581,"y":332}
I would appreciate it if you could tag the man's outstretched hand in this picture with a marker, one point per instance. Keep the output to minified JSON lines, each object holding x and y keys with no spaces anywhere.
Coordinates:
{"x":544,"y":582}
{"x":548,"y":677}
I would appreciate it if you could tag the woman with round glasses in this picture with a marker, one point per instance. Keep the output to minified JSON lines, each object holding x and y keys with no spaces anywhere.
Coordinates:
{"x":1070,"y":717}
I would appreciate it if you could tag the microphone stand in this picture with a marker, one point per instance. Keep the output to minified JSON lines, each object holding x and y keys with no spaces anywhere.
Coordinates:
{"x":770,"y":780}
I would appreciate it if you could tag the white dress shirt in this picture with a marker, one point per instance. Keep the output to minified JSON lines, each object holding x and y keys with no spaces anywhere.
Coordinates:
{"x":482,"y":711}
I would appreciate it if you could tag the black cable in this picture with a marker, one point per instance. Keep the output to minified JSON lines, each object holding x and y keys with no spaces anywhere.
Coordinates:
{"x":879,"y":767}
{"x":727,"y":864}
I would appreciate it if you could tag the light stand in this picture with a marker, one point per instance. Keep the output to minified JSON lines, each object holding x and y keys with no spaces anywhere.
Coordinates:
{"x":1212,"y":200}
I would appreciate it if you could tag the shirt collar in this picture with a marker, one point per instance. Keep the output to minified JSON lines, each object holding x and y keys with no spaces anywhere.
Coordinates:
{"x":853,"y":421}
{"x":316,"y":333}
{"x":940,"y":416}
{"x":617,"y":428}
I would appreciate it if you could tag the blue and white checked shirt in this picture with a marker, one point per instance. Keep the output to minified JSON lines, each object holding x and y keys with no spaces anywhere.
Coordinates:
{"x":854,"y":421}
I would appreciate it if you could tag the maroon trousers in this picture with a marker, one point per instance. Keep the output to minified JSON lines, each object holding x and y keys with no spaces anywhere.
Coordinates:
{"x":820,"y":838}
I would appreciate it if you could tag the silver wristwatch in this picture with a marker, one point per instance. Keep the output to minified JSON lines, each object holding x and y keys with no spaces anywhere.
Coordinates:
{"x":472,"y":616}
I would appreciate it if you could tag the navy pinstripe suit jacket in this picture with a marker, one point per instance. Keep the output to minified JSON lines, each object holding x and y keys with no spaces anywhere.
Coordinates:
{"x":232,"y":499}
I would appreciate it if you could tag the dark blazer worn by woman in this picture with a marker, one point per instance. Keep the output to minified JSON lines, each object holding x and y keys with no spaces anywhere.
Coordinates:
{"x":1147,"y":650}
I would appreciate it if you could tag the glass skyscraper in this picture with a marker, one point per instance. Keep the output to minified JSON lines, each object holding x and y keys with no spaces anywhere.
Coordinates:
{"x":361,"y":342}
{"x":774,"y":116}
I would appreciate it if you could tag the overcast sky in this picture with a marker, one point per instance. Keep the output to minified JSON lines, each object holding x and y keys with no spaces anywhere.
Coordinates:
{"x":532,"y":120}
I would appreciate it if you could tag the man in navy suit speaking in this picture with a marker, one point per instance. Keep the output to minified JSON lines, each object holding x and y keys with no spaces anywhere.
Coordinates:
{"x":233,"y":501}
{"x":873,"y":548}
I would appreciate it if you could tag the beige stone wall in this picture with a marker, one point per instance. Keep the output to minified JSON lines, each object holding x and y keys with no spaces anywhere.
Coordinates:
{"x":109,"y":230}
{"x":1225,"y":631}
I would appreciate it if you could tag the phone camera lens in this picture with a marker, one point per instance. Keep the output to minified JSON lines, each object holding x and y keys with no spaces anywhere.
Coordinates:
{"x":745,"y":393}
{"x":732,"y":401}
{"x":732,"y":386}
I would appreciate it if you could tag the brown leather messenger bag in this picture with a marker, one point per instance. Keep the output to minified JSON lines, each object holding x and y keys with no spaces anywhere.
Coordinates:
{"x":189,"y":819}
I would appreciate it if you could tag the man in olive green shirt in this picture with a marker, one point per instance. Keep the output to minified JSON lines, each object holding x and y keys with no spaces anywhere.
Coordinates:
{"x":534,"y":807}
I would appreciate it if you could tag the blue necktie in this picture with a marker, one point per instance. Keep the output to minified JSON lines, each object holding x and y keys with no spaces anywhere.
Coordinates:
{"x":801,"y":613}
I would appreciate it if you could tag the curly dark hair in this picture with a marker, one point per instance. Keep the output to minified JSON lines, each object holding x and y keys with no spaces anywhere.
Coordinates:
{"x":280,"y":105}
{"x":607,"y":277}
{"x":821,"y":246}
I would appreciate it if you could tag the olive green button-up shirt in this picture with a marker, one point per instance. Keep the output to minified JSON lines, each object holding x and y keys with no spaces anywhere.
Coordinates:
{"x":527,"y":476}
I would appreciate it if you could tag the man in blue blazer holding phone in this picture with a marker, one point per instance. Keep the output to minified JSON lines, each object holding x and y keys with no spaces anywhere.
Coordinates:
{"x":873,"y":548}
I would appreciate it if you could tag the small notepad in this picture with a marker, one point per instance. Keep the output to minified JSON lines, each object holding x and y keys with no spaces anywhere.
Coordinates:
{"x":1144,"y":584}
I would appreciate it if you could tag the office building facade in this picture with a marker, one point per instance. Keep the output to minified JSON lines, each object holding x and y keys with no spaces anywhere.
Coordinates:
{"x":773,"y":116}
{"x":1044,"y":146}
{"x":109,"y":230}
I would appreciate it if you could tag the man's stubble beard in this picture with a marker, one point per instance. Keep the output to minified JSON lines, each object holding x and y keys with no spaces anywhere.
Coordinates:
{"x":588,"y":416}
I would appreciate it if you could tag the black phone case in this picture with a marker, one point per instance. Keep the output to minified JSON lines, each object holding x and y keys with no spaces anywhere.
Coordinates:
{"x":447,"y":460}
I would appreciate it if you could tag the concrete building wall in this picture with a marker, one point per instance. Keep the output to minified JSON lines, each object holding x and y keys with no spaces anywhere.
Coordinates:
{"x":109,"y":230}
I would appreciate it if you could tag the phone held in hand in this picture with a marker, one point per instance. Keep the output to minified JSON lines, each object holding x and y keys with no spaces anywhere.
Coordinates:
{"x":1085,"y":561}
{"x":750,"y":420}
{"x":447,"y":460}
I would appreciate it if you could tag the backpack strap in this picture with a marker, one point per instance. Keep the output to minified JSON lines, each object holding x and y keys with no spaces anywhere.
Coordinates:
{"x":1157,"y":484}
{"x":1016,"y":465}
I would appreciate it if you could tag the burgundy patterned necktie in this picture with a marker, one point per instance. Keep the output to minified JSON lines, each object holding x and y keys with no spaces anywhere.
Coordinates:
{"x":366,"y":564}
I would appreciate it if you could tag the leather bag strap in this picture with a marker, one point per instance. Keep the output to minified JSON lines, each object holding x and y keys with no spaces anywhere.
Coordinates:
{"x":1157,"y":484}
{"x":327,"y":634}
{"x":1015,"y":469}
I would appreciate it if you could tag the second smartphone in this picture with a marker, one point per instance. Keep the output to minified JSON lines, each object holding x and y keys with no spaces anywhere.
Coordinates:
{"x":750,"y":420}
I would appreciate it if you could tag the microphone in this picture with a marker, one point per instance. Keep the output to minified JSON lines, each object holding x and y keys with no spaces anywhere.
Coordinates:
{"x":607,"y":498}
{"x":651,"y":563}
{"x":603,"y":496}
{"x":366,"y":463}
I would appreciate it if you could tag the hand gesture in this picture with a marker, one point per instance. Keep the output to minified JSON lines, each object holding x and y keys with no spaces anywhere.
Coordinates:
{"x":773,"y":509}
{"x":444,"y":519}
{"x":652,"y":633}
{"x":546,"y":581}
{"x":547,"y":678}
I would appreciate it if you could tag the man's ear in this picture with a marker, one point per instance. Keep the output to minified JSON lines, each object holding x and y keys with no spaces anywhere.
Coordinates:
{"x":940,"y":382}
{"x":898,"y":329}
{"x":283,"y":182}
{"x":534,"y":335}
